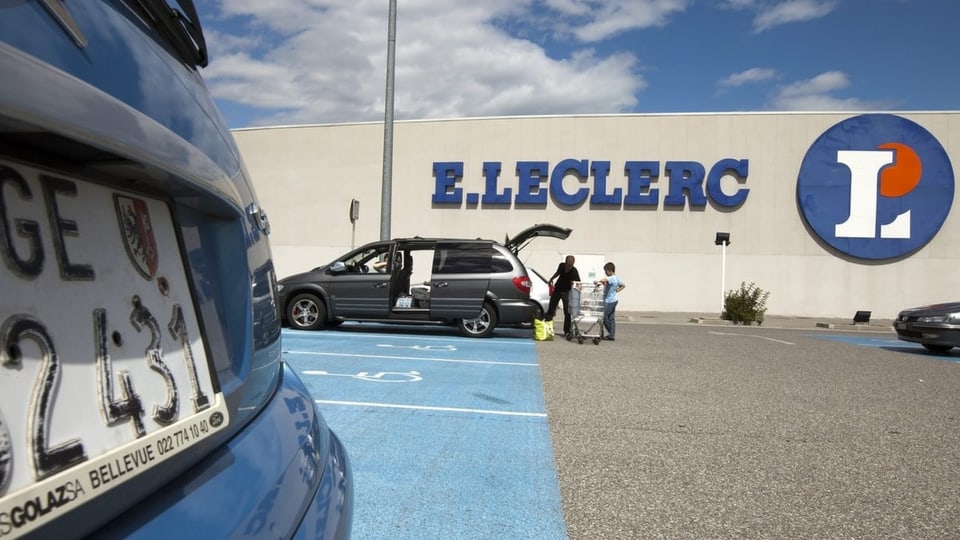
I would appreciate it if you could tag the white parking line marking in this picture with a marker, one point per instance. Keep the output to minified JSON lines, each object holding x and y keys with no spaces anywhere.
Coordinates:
{"x":452,"y":360}
{"x":380,"y":376}
{"x":426,"y":408}
{"x":335,"y":336}
{"x":752,"y":335}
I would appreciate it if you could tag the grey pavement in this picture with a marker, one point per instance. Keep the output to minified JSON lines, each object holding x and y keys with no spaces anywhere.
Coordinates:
{"x":688,"y":426}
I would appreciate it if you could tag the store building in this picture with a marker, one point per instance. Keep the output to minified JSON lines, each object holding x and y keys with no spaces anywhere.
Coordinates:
{"x":831,"y":213}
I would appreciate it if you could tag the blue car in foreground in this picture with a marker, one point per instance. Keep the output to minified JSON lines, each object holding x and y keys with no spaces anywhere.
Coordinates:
{"x":142,"y":390}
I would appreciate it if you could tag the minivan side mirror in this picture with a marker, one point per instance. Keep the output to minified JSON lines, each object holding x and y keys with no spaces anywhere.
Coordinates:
{"x":338,"y":267}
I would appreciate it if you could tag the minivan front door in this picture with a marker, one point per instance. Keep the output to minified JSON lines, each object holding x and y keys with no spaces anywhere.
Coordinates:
{"x":357,"y":290}
{"x":459,"y":279}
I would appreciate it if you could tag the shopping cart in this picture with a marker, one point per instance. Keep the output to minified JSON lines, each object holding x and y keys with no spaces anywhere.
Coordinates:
{"x":586,"y":311}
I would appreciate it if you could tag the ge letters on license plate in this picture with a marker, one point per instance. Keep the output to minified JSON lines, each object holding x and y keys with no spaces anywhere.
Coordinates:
{"x":103,"y":368}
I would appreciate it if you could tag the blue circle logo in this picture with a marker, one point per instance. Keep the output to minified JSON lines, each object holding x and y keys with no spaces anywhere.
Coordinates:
{"x":875,"y":186}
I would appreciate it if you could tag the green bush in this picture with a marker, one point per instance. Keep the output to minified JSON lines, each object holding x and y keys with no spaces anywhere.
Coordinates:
{"x":746,"y":305}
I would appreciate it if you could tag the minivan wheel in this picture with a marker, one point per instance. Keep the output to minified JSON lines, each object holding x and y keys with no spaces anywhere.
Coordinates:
{"x":939,"y":349}
{"x":306,"y":312}
{"x":483,"y":325}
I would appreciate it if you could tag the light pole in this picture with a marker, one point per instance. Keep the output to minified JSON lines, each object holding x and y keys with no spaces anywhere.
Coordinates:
{"x":386,"y":188}
{"x":723,"y":240}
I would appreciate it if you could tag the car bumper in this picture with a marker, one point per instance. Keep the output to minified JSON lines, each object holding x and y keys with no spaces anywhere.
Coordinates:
{"x":285,"y":475}
{"x":928,"y":334}
{"x":516,"y":311}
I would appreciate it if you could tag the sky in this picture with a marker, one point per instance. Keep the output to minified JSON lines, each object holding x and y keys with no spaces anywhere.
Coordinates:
{"x":295,"y":62}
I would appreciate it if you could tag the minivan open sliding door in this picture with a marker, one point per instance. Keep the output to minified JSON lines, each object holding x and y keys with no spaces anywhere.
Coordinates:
{"x":459,"y":279}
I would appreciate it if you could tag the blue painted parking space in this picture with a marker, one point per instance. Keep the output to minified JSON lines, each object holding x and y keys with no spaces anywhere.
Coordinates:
{"x":891,"y":344}
{"x":448,"y":435}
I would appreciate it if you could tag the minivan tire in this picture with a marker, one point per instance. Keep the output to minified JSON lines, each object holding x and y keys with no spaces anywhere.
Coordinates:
{"x":306,"y":312}
{"x":481,"y":326}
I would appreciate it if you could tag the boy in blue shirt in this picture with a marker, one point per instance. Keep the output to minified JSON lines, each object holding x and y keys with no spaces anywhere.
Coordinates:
{"x":612,"y":285}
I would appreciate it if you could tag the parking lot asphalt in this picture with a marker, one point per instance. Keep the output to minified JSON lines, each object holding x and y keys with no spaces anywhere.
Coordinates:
{"x":690,"y":427}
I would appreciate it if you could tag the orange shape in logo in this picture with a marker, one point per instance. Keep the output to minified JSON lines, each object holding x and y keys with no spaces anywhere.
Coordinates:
{"x":904,"y":174}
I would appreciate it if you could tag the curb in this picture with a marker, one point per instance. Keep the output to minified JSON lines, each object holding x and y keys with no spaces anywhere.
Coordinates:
{"x":770,"y":322}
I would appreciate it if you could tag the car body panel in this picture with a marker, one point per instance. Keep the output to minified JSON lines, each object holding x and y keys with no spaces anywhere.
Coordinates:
{"x":459,"y":279}
{"x":515,"y":311}
{"x":128,"y":112}
{"x":118,"y":109}
{"x":456,"y":296}
{"x":936,"y":326}
{"x":360,"y":295}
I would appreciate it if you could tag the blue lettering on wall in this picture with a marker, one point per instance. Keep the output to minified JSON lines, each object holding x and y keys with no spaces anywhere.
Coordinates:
{"x":600,"y":197}
{"x":447,"y":174}
{"x":686,"y":181}
{"x":532,"y":175}
{"x":717,"y":172}
{"x":536,"y":182}
{"x":640,"y":174}
{"x":569,"y":167}
{"x":491,"y":172}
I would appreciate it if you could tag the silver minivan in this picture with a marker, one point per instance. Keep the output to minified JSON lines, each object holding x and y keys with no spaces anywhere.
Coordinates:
{"x":475,"y":284}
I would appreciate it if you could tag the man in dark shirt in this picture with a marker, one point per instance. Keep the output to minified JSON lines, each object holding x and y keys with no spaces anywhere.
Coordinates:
{"x":565,"y":275}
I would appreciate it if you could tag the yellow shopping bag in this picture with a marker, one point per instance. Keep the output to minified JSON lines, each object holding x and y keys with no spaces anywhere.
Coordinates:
{"x":542,"y":330}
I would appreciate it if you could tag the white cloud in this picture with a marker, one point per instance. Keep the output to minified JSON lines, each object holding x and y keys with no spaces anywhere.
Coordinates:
{"x":736,"y":4}
{"x":827,"y":81}
{"x":752,"y":75}
{"x":325,"y":60}
{"x":790,"y":11}
{"x":611,"y":17}
{"x":817,"y":94}
{"x":570,"y":7}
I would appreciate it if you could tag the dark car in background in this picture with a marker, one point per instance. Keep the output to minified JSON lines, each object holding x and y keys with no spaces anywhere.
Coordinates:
{"x":142,"y":388}
{"x":936,"y":327}
{"x":475,"y":284}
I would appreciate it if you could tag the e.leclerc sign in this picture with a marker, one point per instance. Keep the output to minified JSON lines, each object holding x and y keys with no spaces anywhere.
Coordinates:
{"x":536,"y":181}
{"x":875,"y":186}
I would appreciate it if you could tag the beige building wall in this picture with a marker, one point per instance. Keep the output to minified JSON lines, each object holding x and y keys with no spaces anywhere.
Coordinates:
{"x":306,"y":177}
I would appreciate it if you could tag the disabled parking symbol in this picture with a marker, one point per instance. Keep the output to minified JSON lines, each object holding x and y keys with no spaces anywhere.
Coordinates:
{"x":445,"y":348}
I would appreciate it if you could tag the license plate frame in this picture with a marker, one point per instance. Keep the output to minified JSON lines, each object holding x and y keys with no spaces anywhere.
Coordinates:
{"x":103,"y":366}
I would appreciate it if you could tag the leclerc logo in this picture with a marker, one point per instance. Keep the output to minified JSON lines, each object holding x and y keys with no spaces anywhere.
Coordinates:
{"x":876,"y":186}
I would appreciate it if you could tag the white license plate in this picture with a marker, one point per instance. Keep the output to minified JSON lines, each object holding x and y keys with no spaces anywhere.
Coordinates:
{"x":103,"y":369}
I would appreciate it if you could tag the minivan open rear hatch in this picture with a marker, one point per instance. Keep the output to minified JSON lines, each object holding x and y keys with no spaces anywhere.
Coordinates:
{"x":520,"y":241}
